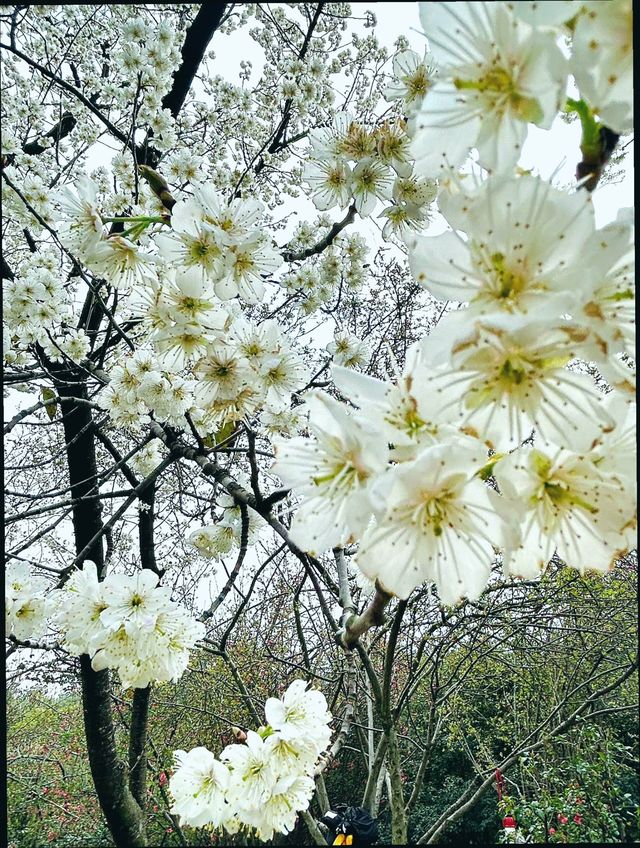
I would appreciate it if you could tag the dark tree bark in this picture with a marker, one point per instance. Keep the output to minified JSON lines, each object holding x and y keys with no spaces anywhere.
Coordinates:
{"x":196,"y":41}
{"x":137,"y":745}
{"x":199,"y":34}
{"x":61,"y":130}
{"x":124,"y":816}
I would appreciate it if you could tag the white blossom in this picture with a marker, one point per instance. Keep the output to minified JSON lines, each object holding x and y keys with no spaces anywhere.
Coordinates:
{"x":495,"y":75}
{"x":602,"y":61}
{"x":198,"y":787}
{"x":24,"y":602}
{"x":333,"y":473}
{"x":412,"y":77}
{"x":437,"y":524}
{"x":563,"y":503}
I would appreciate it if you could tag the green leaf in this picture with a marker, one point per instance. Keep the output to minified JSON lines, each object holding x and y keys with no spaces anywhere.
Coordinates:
{"x":50,"y":404}
{"x":220,"y":436}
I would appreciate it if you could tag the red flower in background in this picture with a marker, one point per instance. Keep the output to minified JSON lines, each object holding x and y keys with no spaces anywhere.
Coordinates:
{"x":562,"y":819}
{"x":577,"y":819}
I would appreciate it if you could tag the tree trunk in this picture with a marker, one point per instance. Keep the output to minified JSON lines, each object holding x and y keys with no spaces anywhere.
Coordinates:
{"x":396,"y":801}
{"x":124,"y":817}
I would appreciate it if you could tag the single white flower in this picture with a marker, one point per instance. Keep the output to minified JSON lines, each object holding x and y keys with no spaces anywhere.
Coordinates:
{"x":371,"y":180}
{"x":252,"y":773}
{"x":76,"y":611}
{"x":561,"y":503}
{"x":414,"y":191}
{"x":438,"y":524}
{"x":235,"y":219}
{"x":509,"y":375}
{"x":333,"y":473}
{"x":120,"y":262}
{"x":181,"y":344}
{"x":525,"y":246}
{"x":328,"y":142}
{"x":133,"y":601}
{"x":495,"y":76}
{"x":330,"y":182}
{"x":222,"y":373}
{"x":256,"y":342}
{"x":403,"y":220}
{"x":198,"y":788}
{"x":413,"y":75}
{"x":292,"y":756}
{"x":247,"y":262}
{"x":81,"y":229}
{"x":190,"y":300}
{"x":25,"y":618}
{"x":279,"y":376}
{"x":301,"y":713}
{"x":193,"y":243}
{"x":393,"y":147}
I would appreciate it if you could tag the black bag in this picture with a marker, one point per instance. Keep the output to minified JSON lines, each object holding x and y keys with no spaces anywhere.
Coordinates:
{"x":352,"y":821}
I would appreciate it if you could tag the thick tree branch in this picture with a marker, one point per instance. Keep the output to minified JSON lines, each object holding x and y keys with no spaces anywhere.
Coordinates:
{"x":196,"y":41}
{"x":373,"y":616}
{"x":137,"y":745}
{"x":59,"y":131}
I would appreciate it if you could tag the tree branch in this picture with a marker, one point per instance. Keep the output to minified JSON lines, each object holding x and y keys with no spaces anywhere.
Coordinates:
{"x":323,"y":244}
{"x":373,"y":616}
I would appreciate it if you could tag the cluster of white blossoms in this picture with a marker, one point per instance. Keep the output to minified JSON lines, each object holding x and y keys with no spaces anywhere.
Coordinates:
{"x":24,"y":602}
{"x":232,"y":367}
{"x":349,"y":162}
{"x":307,"y":83}
{"x":34,"y":302}
{"x":251,"y":367}
{"x":348,"y":350}
{"x":223,"y":243}
{"x":127,"y":623}
{"x":259,"y":786}
{"x":320,"y":277}
{"x":204,"y":357}
{"x":490,"y":442}
{"x":138,"y":386}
